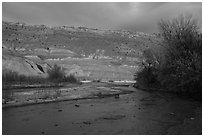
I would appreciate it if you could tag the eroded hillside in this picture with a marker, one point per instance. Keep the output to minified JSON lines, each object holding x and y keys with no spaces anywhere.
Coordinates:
{"x":84,"y":52}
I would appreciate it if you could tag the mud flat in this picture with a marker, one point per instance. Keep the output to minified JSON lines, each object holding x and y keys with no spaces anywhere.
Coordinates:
{"x":31,"y":95}
{"x":137,"y":112}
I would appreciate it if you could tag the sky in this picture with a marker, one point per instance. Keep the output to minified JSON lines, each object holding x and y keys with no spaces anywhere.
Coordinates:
{"x":135,"y":16}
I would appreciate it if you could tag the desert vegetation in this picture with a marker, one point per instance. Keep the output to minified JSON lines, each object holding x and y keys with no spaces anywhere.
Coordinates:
{"x":9,"y":76}
{"x":177,"y":67}
{"x":56,"y":75}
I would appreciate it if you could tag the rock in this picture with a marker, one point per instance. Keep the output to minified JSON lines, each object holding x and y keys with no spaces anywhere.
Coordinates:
{"x":77,"y":105}
{"x":59,"y":110}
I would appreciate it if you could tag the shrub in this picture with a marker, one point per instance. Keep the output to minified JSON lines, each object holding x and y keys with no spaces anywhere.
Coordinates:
{"x":183,"y":42}
{"x":56,"y":73}
{"x":71,"y":79}
{"x":146,"y":77}
{"x":180,"y":69}
{"x":9,"y":76}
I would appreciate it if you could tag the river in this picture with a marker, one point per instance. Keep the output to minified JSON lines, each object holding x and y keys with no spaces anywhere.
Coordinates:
{"x":137,"y":113}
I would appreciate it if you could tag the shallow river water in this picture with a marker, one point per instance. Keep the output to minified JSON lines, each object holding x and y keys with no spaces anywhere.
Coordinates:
{"x":137,"y":113}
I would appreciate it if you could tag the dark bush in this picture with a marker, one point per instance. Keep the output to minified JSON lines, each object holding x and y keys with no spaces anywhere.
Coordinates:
{"x":56,"y":73}
{"x":183,"y":59}
{"x":146,"y":77}
{"x":180,"y":67}
{"x":97,"y":80}
{"x":9,"y":76}
{"x":71,"y":79}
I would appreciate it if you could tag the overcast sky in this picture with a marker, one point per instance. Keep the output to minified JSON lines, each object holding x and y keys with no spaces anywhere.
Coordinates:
{"x":132,"y":16}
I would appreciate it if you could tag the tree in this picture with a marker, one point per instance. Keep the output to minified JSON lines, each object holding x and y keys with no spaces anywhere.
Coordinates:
{"x":56,"y":73}
{"x":180,"y":67}
{"x":183,"y":57}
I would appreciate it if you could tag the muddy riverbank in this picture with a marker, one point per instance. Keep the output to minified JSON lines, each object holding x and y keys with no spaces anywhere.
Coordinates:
{"x":16,"y":97}
{"x":138,"y":112}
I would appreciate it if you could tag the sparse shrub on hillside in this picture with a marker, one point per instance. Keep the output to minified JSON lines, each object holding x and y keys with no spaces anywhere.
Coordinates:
{"x":181,"y":69}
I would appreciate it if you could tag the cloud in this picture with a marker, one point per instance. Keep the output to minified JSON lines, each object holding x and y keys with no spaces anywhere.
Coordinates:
{"x":122,"y":15}
{"x":150,"y":14}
